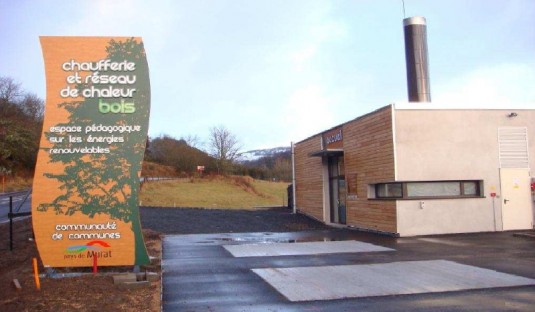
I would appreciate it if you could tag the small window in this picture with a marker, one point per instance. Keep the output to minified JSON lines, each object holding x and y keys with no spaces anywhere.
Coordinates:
{"x":433,"y":189}
{"x":471,"y":188}
{"x":389,"y":190}
{"x":428,"y":189}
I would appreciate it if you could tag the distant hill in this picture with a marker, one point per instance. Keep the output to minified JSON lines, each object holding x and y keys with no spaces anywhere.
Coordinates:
{"x":254,"y":155}
{"x":171,"y":152}
{"x":274,"y":164}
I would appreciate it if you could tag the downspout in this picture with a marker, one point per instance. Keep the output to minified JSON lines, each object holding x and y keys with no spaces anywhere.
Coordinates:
{"x":293,"y":180}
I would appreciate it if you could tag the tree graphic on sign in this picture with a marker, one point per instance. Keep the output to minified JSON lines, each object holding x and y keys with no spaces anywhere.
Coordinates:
{"x":94,"y":182}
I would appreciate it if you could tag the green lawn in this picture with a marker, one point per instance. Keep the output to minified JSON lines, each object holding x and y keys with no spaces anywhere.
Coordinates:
{"x":232,"y":193}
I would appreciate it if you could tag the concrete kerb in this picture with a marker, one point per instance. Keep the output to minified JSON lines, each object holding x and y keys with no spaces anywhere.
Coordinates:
{"x":525,"y":234}
{"x":135,"y":280}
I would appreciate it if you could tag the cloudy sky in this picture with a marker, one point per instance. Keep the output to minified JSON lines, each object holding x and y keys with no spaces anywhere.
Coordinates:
{"x":276,"y":71}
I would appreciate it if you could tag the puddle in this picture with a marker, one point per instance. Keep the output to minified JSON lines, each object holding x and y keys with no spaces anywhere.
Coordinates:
{"x":226,"y":239}
{"x":262,"y":240}
{"x":259,"y":240}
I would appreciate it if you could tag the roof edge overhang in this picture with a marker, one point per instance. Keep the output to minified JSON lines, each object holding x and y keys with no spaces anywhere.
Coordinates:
{"x":328,"y":152}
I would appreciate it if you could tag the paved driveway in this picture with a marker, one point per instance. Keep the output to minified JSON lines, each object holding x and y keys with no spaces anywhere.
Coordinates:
{"x":307,"y":271}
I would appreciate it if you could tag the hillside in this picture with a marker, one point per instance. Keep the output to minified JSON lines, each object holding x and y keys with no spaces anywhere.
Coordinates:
{"x":234,"y":192}
{"x":274,"y":164}
{"x":152,"y":169}
{"x":177,"y":154}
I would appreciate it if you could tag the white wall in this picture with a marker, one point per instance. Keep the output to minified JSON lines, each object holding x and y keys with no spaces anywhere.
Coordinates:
{"x":456,"y":144}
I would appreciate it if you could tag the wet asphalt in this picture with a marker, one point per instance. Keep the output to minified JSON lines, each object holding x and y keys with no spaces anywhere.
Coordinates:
{"x":200,"y":275}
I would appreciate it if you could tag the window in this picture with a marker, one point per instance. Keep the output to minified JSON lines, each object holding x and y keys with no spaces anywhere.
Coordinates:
{"x":471,"y":188}
{"x":388,"y":190}
{"x":428,"y":189}
{"x":422,"y":189}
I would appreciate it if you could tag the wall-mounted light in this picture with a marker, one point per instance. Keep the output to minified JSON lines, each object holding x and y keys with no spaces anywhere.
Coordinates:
{"x":512,"y":115}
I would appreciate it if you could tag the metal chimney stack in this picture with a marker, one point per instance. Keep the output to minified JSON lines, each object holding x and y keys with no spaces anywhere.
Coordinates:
{"x":415,"y":30}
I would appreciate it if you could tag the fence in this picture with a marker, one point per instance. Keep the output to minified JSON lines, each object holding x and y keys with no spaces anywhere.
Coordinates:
{"x":22,"y":198}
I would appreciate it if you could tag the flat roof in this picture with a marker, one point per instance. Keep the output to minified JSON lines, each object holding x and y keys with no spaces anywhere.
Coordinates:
{"x":461,"y":106}
{"x":475,"y":106}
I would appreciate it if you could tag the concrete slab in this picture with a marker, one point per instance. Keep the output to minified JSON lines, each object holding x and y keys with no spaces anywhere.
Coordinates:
{"x":306,"y":248}
{"x":134,"y":285}
{"x":443,"y":241}
{"x":147,"y":276}
{"x":124,"y":278}
{"x":398,"y":278}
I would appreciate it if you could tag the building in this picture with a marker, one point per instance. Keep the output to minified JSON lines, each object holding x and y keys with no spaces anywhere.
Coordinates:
{"x":421,"y":168}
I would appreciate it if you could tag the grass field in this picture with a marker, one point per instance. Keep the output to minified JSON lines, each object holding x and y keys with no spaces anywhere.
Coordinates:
{"x":233,"y":192}
{"x":215,"y":192}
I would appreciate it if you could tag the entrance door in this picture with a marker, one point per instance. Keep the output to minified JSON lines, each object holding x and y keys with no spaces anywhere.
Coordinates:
{"x":517,"y":212}
{"x":337,"y":190}
{"x":342,"y":191}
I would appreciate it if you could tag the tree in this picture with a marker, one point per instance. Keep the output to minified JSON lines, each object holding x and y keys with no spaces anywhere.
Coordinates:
{"x":179,"y":154}
{"x":18,"y":145}
{"x":10,"y":91}
{"x":33,"y":107}
{"x":21,"y":116}
{"x":193,"y":140}
{"x":282,"y":169}
{"x":224,"y":147}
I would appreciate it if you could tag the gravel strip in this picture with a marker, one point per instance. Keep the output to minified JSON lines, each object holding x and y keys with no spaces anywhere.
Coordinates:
{"x":204,"y":221}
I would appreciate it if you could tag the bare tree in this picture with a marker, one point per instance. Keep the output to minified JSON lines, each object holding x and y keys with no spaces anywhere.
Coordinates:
{"x":224,"y":147}
{"x":10,"y":93}
{"x":33,"y":106}
{"x":10,"y":90}
{"x":193,"y":140}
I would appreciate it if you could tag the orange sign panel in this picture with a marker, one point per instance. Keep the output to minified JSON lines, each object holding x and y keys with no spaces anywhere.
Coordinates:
{"x":85,"y":191}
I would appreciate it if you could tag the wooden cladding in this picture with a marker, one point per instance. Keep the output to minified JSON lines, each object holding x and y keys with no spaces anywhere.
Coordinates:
{"x":369,"y":158}
{"x":369,"y":153}
{"x":309,"y":178}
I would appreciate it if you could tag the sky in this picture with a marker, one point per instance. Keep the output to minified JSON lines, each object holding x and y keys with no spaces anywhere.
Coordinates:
{"x":277,"y":71}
